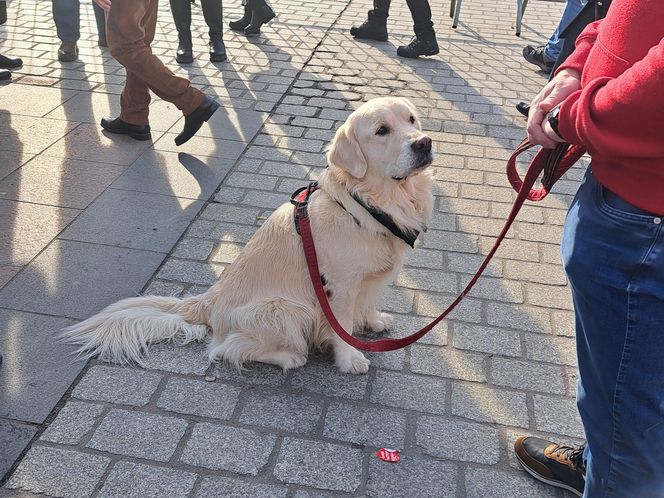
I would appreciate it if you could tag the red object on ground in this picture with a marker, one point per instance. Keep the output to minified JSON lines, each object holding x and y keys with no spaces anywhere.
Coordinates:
{"x":388,"y":455}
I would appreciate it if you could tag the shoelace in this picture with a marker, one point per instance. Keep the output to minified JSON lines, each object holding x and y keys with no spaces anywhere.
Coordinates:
{"x":574,"y":454}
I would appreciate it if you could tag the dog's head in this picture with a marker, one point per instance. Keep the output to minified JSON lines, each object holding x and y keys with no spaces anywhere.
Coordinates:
{"x":382,"y":139}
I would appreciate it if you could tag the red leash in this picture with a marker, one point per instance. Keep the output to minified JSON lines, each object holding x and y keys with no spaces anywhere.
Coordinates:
{"x":553,"y":162}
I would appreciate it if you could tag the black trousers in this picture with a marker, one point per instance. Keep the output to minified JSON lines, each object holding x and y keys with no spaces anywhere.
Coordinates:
{"x":419,"y":10}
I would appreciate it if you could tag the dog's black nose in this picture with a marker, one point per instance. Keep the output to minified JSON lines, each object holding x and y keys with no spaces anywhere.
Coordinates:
{"x":422,"y":145}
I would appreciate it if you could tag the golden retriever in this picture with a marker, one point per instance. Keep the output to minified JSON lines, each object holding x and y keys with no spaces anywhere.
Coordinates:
{"x":264,"y":308}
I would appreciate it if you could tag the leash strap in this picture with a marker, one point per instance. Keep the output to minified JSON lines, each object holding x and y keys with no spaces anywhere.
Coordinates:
{"x":554,"y":163}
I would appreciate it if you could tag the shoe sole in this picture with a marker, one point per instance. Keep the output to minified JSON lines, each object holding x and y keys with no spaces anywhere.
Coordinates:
{"x":543,"y":479}
{"x":218,"y":58}
{"x":205,"y":117}
{"x":427,"y":54}
{"x":136,"y":136}
{"x":183,"y":60}
{"x":380,"y":39}
{"x":542,"y":67}
{"x":68,"y":58}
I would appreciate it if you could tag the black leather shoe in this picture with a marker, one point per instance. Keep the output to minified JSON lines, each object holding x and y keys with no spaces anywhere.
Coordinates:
{"x":374,"y":28}
{"x":5,"y":75}
{"x":523,"y":108}
{"x":554,"y":464}
{"x":185,"y":51}
{"x":68,"y":52}
{"x":262,"y":13}
{"x":217,"y":50}
{"x":137,"y":132}
{"x":536,"y":56}
{"x":419,"y":45}
{"x":195,"y":120}
{"x":242,"y":22}
{"x":10,"y":62}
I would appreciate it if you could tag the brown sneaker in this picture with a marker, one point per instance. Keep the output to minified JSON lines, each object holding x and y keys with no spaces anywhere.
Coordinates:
{"x":554,"y":464}
{"x":68,"y":52}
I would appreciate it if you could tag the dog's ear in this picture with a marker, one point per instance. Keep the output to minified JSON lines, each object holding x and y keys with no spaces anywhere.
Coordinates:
{"x":345,"y":152}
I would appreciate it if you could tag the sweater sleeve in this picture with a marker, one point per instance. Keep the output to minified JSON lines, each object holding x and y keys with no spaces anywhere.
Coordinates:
{"x":584,"y":42}
{"x":621,"y":116}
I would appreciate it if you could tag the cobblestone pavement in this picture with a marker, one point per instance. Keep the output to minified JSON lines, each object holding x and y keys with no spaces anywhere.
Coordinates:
{"x":88,"y":218}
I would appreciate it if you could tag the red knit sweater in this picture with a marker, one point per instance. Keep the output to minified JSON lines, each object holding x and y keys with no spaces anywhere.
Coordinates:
{"x":619,"y":112}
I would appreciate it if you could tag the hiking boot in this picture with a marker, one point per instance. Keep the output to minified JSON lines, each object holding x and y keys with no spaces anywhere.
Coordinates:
{"x":242,"y":22}
{"x":554,"y":464}
{"x":374,"y":28}
{"x":536,"y":55}
{"x":68,"y":52}
{"x":419,"y":45}
{"x":261,"y":13}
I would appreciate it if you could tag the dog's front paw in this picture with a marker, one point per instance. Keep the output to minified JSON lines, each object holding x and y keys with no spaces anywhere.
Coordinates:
{"x":353,"y":362}
{"x":380,"y":323}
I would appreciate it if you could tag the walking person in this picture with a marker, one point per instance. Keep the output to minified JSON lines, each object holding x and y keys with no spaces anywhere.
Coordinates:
{"x":213,"y":14}
{"x":375,"y":28}
{"x":67,"y":17}
{"x":607,"y":96}
{"x":130,"y":30}
{"x":256,"y":13}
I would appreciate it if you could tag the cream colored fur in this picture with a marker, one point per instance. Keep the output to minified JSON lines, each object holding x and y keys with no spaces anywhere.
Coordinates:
{"x":264,"y":308}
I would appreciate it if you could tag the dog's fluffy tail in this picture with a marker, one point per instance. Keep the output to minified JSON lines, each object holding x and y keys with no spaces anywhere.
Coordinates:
{"x":121,"y":332}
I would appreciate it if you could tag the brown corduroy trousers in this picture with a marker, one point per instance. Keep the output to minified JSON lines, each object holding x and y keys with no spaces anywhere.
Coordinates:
{"x":130,"y":29}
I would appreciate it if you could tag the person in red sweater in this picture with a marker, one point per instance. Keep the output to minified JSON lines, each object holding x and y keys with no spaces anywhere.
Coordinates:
{"x":609,"y":97}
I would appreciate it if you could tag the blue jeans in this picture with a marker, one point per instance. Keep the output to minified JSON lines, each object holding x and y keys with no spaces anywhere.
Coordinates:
{"x":67,"y":17}
{"x":613,"y":254}
{"x":555,"y":43}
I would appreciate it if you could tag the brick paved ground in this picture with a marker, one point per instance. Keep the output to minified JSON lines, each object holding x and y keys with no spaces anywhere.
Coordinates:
{"x":87,"y":219}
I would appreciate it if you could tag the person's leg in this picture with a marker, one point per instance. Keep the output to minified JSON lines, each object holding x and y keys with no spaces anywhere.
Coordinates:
{"x":613,"y":254}
{"x":130,"y":30}
{"x":213,"y":14}
{"x":555,"y":44}
{"x":67,"y":17}
{"x":424,"y":41}
{"x":375,"y":27}
{"x":100,"y":20}
{"x":244,"y":21}
{"x":181,"y":10}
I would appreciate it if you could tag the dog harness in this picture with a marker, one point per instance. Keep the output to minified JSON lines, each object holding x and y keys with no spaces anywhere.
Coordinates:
{"x":552,"y":162}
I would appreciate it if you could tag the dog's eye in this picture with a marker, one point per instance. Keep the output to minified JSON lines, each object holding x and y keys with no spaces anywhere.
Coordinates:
{"x":383,"y":130}
{"x":412,"y":119}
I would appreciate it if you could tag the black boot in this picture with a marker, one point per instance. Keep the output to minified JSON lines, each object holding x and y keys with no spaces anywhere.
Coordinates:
{"x":243,"y":21}
{"x":181,"y":10}
{"x":213,"y":13}
{"x":195,"y":120}
{"x":261,"y":13}
{"x":421,"y":44}
{"x":374,"y":28}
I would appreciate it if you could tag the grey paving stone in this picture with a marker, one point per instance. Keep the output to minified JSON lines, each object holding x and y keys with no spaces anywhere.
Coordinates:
{"x":317,"y":464}
{"x":557,"y":415}
{"x":37,"y":368}
{"x":489,"y":483}
{"x":96,"y":276}
{"x":28,"y":228}
{"x":412,"y":392}
{"x":201,"y":146}
{"x":14,"y":438}
{"x":528,"y":375}
{"x":253,"y":374}
{"x":445,"y":362}
{"x":214,"y":487}
{"x":287,"y":411}
{"x":192,"y":272}
{"x":73,"y":422}
{"x":59,"y":472}
{"x":31,"y":135}
{"x":174,"y":174}
{"x":219,"y":447}
{"x":142,"y":435}
{"x":126,"y":386}
{"x":487,"y":404}
{"x":457,"y":440}
{"x":326,"y":379}
{"x":59,"y":182}
{"x":411,"y":476}
{"x":134,"y":480}
{"x":561,"y":350}
{"x":365,"y":425}
{"x":176,"y":358}
{"x":487,"y":339}
{"x":42,"y":99}
{"x":136,"y":220}
{"x":197,"y":397}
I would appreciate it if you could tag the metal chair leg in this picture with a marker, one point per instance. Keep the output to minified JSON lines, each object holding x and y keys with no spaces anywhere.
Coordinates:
{"x":452,"y":7}
{"x":457,"y":11}
{"x":520,"y":9}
